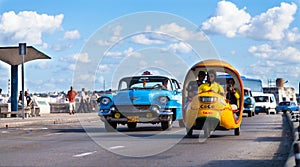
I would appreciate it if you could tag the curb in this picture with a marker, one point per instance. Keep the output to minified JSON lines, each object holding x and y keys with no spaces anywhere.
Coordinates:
{"x":47,"y":119}
{"x":294,"y":130}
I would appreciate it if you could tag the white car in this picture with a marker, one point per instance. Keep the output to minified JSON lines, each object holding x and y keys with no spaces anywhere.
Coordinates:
{"x":265,"y":102}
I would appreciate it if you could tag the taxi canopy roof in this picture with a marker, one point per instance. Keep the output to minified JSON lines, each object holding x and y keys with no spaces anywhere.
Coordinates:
{"x":10,"y":55}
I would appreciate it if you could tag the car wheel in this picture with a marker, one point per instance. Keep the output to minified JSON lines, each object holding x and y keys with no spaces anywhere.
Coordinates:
{"x":190,"y":132}
{"x":237,"y":131}
{"x":110,"y":126}
{"x":249,"y":114}
{"x":166,"y":124}
{"x":131,"y":125}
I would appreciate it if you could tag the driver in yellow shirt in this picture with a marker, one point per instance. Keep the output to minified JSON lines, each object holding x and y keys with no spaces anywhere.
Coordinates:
{"x":211,"y":84}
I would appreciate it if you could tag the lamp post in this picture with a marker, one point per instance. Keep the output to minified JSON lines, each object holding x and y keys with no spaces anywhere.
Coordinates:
{"x":22,"y":52}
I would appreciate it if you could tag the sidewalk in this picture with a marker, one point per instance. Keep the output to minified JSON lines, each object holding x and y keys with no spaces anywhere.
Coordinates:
{"x":47,"y":119}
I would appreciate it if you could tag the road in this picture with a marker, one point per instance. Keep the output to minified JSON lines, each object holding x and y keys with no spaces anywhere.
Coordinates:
{"x":264,"y":141}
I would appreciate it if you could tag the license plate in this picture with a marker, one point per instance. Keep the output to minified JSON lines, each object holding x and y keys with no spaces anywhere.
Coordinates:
{"x":133,"y":118}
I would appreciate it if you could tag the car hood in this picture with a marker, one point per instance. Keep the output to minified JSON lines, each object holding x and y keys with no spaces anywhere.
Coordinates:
{"x":138,"y":97}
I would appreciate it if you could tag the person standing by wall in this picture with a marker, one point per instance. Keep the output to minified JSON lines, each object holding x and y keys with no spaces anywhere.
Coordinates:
{"x":84,"y":102}
{"x":71,"y":97}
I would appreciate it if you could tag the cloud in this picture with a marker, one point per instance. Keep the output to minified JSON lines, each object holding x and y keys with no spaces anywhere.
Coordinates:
{"x":143,"y":39}
{"x":115,"y":36}
{"x":125,"y":53}
{"x":182,"y":33}
{"x":180,"y":47}
{"x":293,"y":35}
{"x":72,"y":34}
{"x":272,"y":24}
{"x":288,"y":55}
{"x":230,"y":21}
{"x":27,"y":26}
{"x":82,"y":57}
{"x":227,"y":19}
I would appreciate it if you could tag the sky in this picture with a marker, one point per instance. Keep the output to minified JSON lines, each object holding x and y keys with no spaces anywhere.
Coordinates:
{"x":93,"y":43}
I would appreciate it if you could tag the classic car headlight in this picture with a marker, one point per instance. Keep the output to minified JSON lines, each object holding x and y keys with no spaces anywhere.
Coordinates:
{"x":163,"y":99}
{"x":105,"y":100}
{"x":208,"y":99}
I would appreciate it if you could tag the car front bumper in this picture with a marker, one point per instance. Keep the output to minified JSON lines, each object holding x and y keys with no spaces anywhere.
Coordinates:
{"x":138,"y":117}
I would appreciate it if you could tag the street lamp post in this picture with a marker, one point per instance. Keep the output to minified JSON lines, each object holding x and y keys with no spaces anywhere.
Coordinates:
{"x":22,"y":52}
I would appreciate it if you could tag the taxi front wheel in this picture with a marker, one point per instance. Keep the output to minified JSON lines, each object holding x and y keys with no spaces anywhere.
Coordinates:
{"x":237,"y":131}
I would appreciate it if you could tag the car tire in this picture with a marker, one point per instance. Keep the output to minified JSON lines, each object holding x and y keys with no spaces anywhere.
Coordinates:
{"x":189,"y":132}
{"x":267,"y":111}
{"x":110,"y":126}
{"x":131,"y":125}
{"x":253,"y":113}
{"x":166,"y":125}
{"x":249,"y":114}
{"x":237,"y":131}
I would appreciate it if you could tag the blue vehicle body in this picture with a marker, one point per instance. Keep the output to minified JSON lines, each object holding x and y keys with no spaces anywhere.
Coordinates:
{"x":285,"y":106}
{"x":142,"y":99}
{"x":249,"y":102}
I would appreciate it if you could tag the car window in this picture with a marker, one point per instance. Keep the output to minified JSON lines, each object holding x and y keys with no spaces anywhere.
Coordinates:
{"x":261,"y":98}
{"x":284,"y":103}
{"x":272,"y":99}
{"x":175,"y":84}
{"x":246,"y":92}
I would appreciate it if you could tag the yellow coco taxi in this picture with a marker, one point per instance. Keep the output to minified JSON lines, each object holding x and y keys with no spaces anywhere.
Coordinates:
{"x":209,"y":110}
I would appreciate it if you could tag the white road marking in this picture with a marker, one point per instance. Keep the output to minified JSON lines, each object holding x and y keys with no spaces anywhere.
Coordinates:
{"x":52,"y":134}
{"x":174,"y":132}
{"x":84,"y":154}
{"x":116,"y":147}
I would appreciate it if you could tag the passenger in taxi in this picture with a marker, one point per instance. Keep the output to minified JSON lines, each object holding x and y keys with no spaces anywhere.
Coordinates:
{"x":201,"y":77}
{"x":232,"y":94}
{"x":210,"y":84}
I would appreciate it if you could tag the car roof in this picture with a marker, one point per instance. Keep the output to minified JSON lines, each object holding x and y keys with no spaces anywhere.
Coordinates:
{"x":138,"y":76}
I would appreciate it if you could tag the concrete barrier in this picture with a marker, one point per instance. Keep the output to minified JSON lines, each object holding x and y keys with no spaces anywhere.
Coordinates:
{"x":294,"y":126}
{"x":59,"y":107}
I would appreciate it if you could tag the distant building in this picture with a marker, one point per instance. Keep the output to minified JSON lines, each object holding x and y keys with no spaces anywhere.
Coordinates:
{"x":280,"y":92}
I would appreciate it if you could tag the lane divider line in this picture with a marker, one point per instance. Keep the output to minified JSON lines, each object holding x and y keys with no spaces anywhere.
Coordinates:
{"x":116,"y":147}
{"x":84,"y":154}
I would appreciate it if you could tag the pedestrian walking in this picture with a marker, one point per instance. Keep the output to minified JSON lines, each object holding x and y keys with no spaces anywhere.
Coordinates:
{"x":71,"y":97}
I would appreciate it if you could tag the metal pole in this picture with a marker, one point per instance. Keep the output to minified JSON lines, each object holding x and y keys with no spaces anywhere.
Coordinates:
{"x":22,"y":52}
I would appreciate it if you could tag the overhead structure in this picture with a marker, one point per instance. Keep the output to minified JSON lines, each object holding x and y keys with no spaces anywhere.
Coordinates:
{"x":10,"y":55}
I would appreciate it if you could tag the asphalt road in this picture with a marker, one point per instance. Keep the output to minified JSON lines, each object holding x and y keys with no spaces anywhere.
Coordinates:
{"x":264,"y":141}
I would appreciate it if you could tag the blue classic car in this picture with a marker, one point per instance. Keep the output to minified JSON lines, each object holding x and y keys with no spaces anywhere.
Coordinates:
{"x":142,"y":99}
{"x":285,"y":106}
{"x":249,"y":102}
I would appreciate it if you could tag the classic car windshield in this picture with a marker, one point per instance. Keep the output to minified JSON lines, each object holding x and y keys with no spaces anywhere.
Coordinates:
{"x":142,"y":82}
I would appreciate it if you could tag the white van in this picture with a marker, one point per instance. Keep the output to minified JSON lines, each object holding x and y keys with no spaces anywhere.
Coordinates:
{"x":265,"y":102}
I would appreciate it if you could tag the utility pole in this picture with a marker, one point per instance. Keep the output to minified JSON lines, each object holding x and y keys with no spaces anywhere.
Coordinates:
{"x":22,"y":52}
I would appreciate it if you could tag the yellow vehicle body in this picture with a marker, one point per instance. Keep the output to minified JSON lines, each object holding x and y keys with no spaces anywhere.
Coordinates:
{"x":209,"y":110}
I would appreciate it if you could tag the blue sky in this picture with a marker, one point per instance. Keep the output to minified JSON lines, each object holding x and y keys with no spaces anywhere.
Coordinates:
{"x":260,"y":38}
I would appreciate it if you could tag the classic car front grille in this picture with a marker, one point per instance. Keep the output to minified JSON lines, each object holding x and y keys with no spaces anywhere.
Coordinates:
{"x":133,"y":108}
